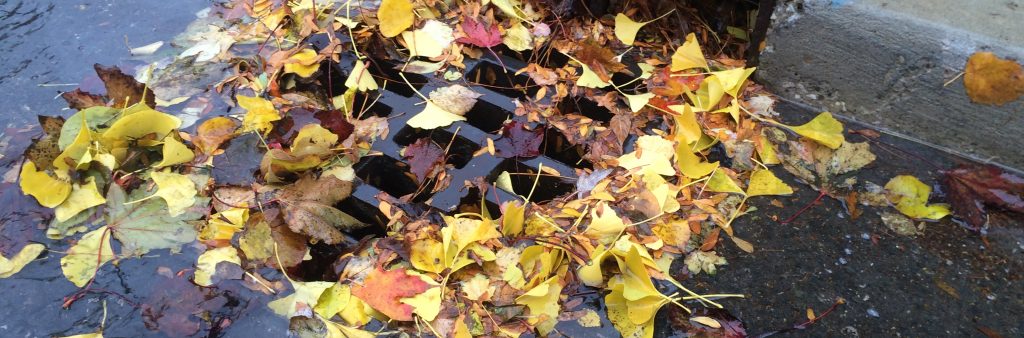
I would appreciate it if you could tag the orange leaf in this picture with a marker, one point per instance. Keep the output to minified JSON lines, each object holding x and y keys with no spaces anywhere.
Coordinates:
{"x":384,"y":290}
{"x":991,"y":80}
{"x":599,"y":59}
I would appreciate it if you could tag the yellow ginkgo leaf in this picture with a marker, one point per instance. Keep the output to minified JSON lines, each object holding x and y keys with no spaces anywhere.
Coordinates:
{"x":638,"y":101}
{"x":687,"y":128}
{"x":424,"y":255}
{"x":590,"y":79}
{"x":427,"y":304}
{"x":11,"y":266}
{"x":518,"y":37}
{"x":654,"y":153}
{"x":313,"y":139}
{"x":429,"y":41}
{"x":259,"y":113}
{"x":433,"y":116}
{"x":82,"y":197}
{"x":688,"y":55}
{"x":360,"y":78}
{"x":824,"y":129}
{"x":177,"y":189}
{"x":626,"y":28}
{"x":174,"y":152}
{"x":143,"y":121}
{"x":733,"y":109}
{"x":732,"y":80}
{"x":336,"y":330}
{"x":766,"y":150}
{"x":692,"y":165}
{"x":85,"y":257}
{"x":763,"y":182}
{"x":48,"y":190}
{"x":72,"y":155}
{"x":542,"y":301}
{"x":478,"y":288}
{"x":605,"y":227}
{"x":206,"y":265}
{"x":664,"y":192}
{"x":721,"y":182}
{"x":306,"y":296}
{"x":304,"y":63}
{"x":224,"y":225}
{"x":708,"y":95}
{"x":513,"y":217}
{"x":395,"y":16}
{"x":910,"y":196}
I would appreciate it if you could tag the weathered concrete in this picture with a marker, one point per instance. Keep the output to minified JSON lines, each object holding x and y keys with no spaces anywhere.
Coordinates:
{"x":887,"y":63}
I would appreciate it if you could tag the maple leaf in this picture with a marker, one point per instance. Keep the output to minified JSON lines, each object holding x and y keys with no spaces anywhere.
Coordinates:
{"x":600,"y":60}
{"x":384,"y":290}
{"x":517,"y":141}
{"x":478,"y":34}
{"x":425,"y":158}
{"x":123,"y":89}
{"x":308,"y":207}
{"x":972,"y":188}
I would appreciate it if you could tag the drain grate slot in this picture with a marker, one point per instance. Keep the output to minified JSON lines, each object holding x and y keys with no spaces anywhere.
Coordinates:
{"x":497,"y":79}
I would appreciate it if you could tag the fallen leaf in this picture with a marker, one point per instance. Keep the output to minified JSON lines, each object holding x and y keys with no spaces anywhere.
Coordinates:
{"x":146,"y":224}
{"x":518,"y":37}
{"x":84,"y":258}
{"x":395,"y":16}
{"x":992,"y":80}
{"x":122,"y":89}
{"x":605,"y":227}
{"x":304,"y":63}
{"x":429,"y":41}
{"x":763,"y":182}
{"x":305,"y":297}
{"x":259,"y":114}
{"x":360,"y":77}
{"x":82,"y":197}
{"x":425,"y":159}
{"x":542,"y":302}
{"x":689,"y":55}
{"x":910,"y":196}
{"x":176,"y":189}
{"x":518,"y":141}
{"x":47,"y":190}
{"x":973,"y":188}
{"x":455,"y":99}
{"x":174,"y":152}
{"x":28,"y":253}
{"x":600,"y":60}
{"x":206,"y":265}
{"x":384,"y":289}
{"x":479,"y":34}
{"x":653,"y":153}
{"x":823,"y":128}
{"x":212,"y":133}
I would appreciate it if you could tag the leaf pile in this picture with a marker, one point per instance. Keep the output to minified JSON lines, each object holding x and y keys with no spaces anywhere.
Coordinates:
{"x":656,"y":188}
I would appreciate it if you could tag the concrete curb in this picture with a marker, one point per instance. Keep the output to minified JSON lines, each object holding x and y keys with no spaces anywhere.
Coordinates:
{"x":886,"y":63}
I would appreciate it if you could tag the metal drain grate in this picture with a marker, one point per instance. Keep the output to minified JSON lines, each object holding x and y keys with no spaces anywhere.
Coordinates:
{"x":387,"y":173}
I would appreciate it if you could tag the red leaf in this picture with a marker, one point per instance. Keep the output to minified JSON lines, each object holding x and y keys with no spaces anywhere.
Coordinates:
{"x":336,"y":122}
{"x":478,"y":34}
{"x":424,"y":158}
{"x":517,"y":141}
{"x":384,"y":290}
{"x":971,"y":188}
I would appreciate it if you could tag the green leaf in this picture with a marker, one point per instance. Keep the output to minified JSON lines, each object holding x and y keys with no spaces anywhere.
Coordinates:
{"x":146,"y":225}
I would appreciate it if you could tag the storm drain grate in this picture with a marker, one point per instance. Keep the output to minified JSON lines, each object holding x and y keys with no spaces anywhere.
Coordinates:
{"x":398,"y":103}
